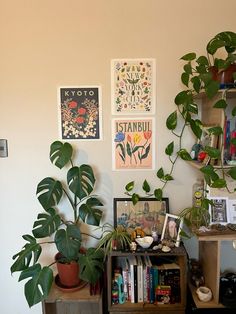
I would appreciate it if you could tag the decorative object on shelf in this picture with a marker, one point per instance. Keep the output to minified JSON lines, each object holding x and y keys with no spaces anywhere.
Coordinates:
{"x":133,"y":246}
{"x":171,"y":230}
{"x":196,"y":273}
{"x":146,"y":213}
{"x":145,"y":242}
{"x":65,"y":234}
{"x":204,"y":294}
{"x":80,"y":113}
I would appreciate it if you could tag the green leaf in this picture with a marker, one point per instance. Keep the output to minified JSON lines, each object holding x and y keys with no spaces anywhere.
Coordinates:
{"x":90,"y":213}
{"x":184,"y":155}
{"x":135,"y":198}
{"x":182,"y":98}
{"x":195,"y":126}
{"x":212,"y":89}
{"x":168,"y":177}
{"x":207,"y":169}
{"x":189,"y":56}
{"x":146,"y":186}
{"x":234,"y":111}
{"x":81,"y":180}
{"x":188,"y":68}
{"x":38,"y":287}
{"x":185,"y":78}
{"x":68,"y":241}
{"x":91,"y":265}
{"x":169,"y":149}
{"x":171,"y":121}
{"x":160,"y":173}
{"x":147,"y":150}
{"x":233,"y":141}
{"x":212,"y":152}
{"x":217,"y":130}
{"x":129,"y":186}
{"x":128,"y":149}
{"x":196,"y":83}
{"x":158,"y":194}
{"x":202,"y":60}
{"x":60,"y":154}
{"x":46,"y":224}
{"x":30,"y":253}
{"x":219,"y":183}
{"x":122,"y":150}
{"x":220,"y":104}
{"x":49,"y":192}
{"x":232,"y":173}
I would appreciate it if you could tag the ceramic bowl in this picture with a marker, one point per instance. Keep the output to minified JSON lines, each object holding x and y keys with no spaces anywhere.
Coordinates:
{"x":144,"y":242}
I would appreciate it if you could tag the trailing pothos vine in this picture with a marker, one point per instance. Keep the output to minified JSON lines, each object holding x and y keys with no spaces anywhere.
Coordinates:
{"x":197,"y":78}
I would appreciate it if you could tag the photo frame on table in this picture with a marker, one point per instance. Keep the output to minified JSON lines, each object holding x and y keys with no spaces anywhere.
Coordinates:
{"x":146,"y":213}
{"x":171,"y":229}
{"x":219,"y":210}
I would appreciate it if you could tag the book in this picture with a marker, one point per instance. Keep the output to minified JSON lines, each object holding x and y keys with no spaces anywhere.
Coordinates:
{"x":163,"y":294}
{"x":140,"y":278}
{"x":132,"y":261}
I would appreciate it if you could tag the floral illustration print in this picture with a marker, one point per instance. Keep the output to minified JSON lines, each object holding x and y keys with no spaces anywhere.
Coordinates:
{"x":133,"y":144}
{"x":133,"y":85}
{"x":79,"y":113}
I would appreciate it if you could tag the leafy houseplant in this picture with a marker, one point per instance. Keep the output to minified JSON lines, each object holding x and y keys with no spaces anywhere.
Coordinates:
{"x":114,"y":238}
{"x":65,"y":234}
{"x":197,"y":77}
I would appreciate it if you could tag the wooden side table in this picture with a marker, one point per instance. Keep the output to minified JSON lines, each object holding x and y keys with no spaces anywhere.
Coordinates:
{"x":77,"y":302}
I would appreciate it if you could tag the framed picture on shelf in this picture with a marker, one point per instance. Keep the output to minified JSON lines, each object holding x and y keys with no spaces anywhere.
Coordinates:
{"x":219,"y":210}
{"x":171,"y":229}
{"x":148,"y":212}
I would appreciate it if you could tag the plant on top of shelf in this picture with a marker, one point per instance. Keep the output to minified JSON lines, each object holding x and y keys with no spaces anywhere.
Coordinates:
{"x":197,"y":77}
{"x":59,"y":229}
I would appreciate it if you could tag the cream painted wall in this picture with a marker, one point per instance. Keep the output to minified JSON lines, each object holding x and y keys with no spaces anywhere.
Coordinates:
{"x":45,"y":44}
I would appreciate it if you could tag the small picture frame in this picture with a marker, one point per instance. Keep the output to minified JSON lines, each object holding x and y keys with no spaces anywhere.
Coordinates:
{"x":171,"y":229}
{"x":219,"y":210}
{"x":145,"y":214}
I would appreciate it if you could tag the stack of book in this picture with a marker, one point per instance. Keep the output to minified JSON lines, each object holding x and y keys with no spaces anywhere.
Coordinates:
{"x":144,"y":281}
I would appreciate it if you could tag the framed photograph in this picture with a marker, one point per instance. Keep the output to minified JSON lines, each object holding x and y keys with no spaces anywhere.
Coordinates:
{"x":133,"y":144}
{"x":145,"y":214}
{"x":219,"y":210}
{"x":171,"y":229}
{"x":80,"y":113}
{"x":133,"y":86}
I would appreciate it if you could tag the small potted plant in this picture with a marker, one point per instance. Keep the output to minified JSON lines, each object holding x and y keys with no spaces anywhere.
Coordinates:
{"x":114,"y":238}
{"x":63,"y":230}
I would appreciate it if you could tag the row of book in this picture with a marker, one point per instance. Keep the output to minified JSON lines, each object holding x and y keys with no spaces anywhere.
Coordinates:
{"x":139,"y":279}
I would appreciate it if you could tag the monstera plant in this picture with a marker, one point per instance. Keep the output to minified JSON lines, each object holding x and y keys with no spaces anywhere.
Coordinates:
{"x":65,"y":233}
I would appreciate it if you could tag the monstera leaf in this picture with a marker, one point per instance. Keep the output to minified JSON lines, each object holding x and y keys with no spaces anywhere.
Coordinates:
{"x":46,"y":224}
{"x":38,"y":287}
{"x":81,"y":180}
{"x":91,"y":265}
{"x":68,"y":241}
{"x":49,"y":192}
{"x":60,"y":153}
{"x":89,"y":212}
{"x":30,"y":253}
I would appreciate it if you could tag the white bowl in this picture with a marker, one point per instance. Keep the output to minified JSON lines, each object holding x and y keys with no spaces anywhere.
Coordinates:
{"x":144,"y":242}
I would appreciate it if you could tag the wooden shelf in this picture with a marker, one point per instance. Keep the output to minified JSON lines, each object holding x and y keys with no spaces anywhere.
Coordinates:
{"x":179,"y":254}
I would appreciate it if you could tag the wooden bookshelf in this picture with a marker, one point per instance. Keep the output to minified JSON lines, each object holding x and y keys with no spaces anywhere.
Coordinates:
{"x":180,"y":257}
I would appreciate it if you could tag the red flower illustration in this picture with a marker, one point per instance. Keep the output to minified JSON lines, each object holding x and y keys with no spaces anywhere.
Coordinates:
{"x":72,"y":104}
{"x":80,"y":120}
{"x":129,"y":138}
{"x":147,"y":134}
{"x":81,"y":111}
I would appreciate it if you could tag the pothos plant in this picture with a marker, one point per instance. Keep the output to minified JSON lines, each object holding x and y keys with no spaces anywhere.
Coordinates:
{"x":64,"y":233}
{"x":197,"y":78}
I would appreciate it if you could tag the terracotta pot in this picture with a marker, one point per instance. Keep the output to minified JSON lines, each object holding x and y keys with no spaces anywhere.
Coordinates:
{"x":225,"y":77}
{"x":68,"y":272}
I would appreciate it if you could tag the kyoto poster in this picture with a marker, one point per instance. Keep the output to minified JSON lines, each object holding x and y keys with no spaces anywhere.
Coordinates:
{"x":133,"y":144}
{"x":80,"y":113}
{"x":133,"y":86}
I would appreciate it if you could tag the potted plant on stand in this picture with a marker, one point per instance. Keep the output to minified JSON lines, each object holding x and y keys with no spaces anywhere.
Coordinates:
{"x":65,"y":233}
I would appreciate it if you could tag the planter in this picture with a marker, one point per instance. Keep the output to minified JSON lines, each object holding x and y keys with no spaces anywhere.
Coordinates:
{"x":224,"y":77}
{"x":68,"y":272}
